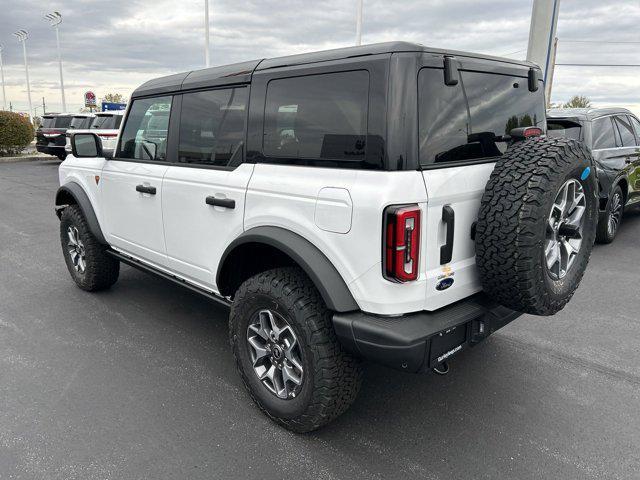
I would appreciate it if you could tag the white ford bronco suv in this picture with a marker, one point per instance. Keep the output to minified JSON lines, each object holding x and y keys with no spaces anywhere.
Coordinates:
{"x":391,"y":202}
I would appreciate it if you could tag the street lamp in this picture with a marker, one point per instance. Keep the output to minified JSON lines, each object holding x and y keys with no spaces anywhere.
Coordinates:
{"x":55,"y":19}
{"x":207,"y":61}
{"x":359,"y":23}
{"x":22,"y":36}
{"x":4,"y":96}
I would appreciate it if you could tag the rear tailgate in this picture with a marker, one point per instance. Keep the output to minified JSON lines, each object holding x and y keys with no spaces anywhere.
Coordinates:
{"x":463,"y":130}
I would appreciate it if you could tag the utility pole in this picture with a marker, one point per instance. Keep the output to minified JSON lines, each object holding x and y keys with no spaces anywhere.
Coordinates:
{"x":4,"y":96}
{"x":44,"y":107}
{"x":207,"y":60}
{"x":55,"y":19}
{"x":359,"y":23}
{"x":22,"y":36}
{"x":542,"y":37}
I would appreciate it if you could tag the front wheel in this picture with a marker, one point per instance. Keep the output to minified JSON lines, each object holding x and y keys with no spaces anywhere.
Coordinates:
{"x":287,"y":352}
{"x":610,"y":222}
{"x":87,"y":260}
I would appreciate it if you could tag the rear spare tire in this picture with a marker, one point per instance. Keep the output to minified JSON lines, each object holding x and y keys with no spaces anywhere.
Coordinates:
{"x":537,"y":224}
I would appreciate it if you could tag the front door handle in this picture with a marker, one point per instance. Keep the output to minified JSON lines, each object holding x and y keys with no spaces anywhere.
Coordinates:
{"x":449,"y":219}
{"x":145,"y":189}
{"x":221,"y":202}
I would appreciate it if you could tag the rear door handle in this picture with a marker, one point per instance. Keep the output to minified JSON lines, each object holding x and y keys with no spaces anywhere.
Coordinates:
{"x":449,"y":219}
{"x":221,"y":202}
{"x":145,"y":189}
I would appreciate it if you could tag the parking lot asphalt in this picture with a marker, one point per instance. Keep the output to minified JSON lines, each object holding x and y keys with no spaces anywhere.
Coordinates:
{"x":139,"y":382}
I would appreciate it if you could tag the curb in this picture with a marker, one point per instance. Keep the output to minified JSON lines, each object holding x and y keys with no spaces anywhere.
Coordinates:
{"x":26,"y":158}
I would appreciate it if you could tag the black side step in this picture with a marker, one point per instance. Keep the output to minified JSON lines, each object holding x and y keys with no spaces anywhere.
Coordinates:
{"x":167,"y":276}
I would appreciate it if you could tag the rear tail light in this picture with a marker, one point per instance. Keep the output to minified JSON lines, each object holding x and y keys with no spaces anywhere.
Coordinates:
{"x":401,"y":243}
{"x":107,"y":135}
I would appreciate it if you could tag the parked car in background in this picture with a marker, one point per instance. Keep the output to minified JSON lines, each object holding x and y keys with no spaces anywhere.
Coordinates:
{"x":51,"y":135}
{"x":613,"y":135}
{"x":105,"y":124}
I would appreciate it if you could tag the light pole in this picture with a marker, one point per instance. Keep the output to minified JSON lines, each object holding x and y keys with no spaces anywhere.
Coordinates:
{"x":4,"y":96}
{"x":22,"y":36}
{"x":207,"y":60}
{"x":55,"y":19}
{"x":359,"y":23}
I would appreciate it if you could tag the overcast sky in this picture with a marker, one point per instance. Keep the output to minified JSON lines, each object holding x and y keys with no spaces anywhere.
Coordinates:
{"x":113,"y":46}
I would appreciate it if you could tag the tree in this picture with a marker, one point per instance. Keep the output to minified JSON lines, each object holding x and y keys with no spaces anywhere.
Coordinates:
{"x":16,"y":132}
{"x":113,"y":98}
{"x":578,"y":101}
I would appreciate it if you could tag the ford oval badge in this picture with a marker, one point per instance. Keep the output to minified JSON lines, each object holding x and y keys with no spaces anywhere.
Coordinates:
{"x":444,"y":284}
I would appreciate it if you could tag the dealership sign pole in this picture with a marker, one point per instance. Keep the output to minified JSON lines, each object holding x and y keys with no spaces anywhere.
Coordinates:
{"x":22,"y":36}
{"x":4,"y":96}
{"x":359,"y":23}
{"x":207,"y":60}
{"x":55,"y":19}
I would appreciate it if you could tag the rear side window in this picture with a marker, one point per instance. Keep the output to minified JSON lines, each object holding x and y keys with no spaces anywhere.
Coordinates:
{"x":145,"y":132}
{"x":317,"y":117}
{"x":471,"y":120}
{"x":636,"y":127}
{"x":564,"y":129}
{"x":626,"y":131}
{"x":62,"y":121}
{"x":212,"y":126}
{"x":603,"y":134}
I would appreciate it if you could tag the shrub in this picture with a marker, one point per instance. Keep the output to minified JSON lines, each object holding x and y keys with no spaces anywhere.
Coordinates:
{"x":16,"y":132}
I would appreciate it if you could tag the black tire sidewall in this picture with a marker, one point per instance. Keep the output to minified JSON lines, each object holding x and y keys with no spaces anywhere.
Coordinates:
{"x":243,"y":312}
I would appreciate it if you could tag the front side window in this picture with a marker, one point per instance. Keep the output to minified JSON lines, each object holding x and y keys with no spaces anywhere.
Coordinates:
{"x":603,"y":134}
{"x":145,"y":133}
{"x":472,"y":120}
{"x":212,"y":127}
{"x":626,"y":131}
{"x":317,"y":117}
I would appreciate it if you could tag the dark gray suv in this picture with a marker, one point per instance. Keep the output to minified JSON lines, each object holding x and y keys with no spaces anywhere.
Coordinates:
{"x":613,"y":135}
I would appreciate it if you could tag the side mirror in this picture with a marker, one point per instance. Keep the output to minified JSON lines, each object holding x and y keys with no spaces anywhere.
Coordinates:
{"x":86,"y":145}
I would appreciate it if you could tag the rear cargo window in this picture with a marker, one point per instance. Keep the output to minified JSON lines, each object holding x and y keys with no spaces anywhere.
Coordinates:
{"x":107,"y":122}
{"x":471,"y":120}
{"x":80,"y":122}
{"x":317,"y":117}
{"x":564,"y":129}
{"x":62,"y":121}
{"x":48,"y":122}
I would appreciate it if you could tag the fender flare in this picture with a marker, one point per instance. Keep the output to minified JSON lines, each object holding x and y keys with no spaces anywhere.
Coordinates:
{"x":82,"y":200}
{"x":316,"y":265}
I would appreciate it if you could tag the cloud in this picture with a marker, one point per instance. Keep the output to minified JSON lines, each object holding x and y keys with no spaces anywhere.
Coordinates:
{"x":115,"y":46}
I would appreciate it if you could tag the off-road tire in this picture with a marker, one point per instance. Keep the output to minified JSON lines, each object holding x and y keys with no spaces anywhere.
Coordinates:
{"x":332,"y":377}
{"x":513,"y":218}
{"x":101,"y":270}
{"x":603,"y":235}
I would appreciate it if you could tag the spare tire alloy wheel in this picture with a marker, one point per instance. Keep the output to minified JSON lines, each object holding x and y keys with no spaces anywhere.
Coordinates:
{"x":537,"y":224}
{"x":275,"y":354}
{"x":564,"y":232}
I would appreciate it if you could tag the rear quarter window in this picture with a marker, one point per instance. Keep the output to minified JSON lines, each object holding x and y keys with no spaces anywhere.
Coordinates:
{"x":471,"y":120}
{"x":603,"y":134}
{"x":318,"y":118}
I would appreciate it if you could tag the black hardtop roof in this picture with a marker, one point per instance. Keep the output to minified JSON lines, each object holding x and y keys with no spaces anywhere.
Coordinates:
{"x":585,"y":114}
{"x":241,"y":72}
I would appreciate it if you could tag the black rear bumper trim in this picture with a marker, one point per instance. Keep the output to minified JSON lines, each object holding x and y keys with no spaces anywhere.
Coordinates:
{"x":420,"y":341}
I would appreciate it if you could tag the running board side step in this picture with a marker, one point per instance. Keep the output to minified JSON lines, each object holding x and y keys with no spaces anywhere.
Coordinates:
{"x":167,"y":276}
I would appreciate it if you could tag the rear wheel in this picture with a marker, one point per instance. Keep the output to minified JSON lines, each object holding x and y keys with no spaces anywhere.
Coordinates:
{"x":536,"y":225}
{"x":610,"y":222}
{"x":86,"y":258}
{"x":287,"y":352}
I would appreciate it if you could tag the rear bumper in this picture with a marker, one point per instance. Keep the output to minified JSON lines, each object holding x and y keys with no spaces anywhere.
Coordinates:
{"x":420,"y":341}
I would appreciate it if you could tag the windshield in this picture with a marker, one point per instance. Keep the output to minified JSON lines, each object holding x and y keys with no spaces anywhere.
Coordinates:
{"x":472,"y":120}
{"x":564,"y":128}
